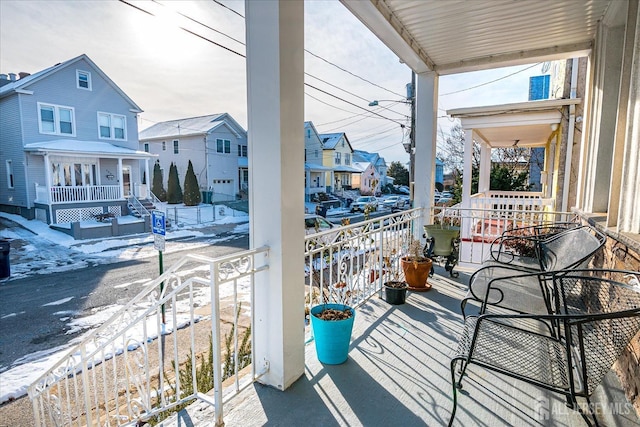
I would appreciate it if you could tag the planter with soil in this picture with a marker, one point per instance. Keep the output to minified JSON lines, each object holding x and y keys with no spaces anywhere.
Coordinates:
{"x":416,"y":273}
{"x":332,"y":325}
{"x":395,"y":292}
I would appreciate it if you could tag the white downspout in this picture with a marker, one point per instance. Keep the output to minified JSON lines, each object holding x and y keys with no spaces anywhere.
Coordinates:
{"x":570,"y":136}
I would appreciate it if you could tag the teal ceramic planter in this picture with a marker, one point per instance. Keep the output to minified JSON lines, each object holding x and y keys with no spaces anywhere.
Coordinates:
{"x":332,"y":337}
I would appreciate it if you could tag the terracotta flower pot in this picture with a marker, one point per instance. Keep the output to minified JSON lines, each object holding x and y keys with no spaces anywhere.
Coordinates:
{"x":416,"y":273}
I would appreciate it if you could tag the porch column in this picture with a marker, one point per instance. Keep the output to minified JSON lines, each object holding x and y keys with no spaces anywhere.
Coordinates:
{"x":467,"y":168}
{"x":275,"y":91}
{"x":120,"y":177}
{"x":307,"y":174}
{"x":47,"y":176}
{"x":484,"y":181}
{"x":426,"y":108}
{"x":628,"y":132}
{"x":146,"y":173}
{"x":47,"y":181}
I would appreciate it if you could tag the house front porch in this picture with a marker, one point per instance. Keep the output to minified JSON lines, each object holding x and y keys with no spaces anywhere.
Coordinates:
{"x":398,"y":374}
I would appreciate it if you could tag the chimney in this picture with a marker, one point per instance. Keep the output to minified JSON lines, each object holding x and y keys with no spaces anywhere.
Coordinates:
{"x":4,"y":80}
{"x":4,"y":77}
{"x":23,"y":74}
{"x":12,"y":77}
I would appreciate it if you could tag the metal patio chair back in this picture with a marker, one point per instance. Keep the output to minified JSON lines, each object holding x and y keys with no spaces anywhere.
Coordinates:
{"x":597,"y":318}
{"x":510,"y":287}
{"x":520,"y":247}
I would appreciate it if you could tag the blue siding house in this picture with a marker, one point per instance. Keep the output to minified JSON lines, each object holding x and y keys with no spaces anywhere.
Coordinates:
{"x":69,"y":145}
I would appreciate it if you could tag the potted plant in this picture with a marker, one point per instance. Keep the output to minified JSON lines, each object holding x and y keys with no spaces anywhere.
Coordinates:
{"x":395,"y":290}
{"x":416,"y":267}
{"x":332,"y":324}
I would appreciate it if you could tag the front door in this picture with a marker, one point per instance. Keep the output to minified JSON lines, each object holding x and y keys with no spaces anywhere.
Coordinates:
{"x":126,"y":180}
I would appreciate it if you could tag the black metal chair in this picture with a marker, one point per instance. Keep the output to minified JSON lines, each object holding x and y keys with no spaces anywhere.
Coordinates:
{"x":521,"y":246}
{"x":525,"y":289}
{"x":596,"y":316}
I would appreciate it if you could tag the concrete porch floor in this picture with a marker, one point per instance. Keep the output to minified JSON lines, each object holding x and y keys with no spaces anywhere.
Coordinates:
{"x":398,"y":374}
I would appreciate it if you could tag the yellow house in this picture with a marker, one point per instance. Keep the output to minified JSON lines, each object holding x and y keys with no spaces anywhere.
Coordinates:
{"x":337,"y":154}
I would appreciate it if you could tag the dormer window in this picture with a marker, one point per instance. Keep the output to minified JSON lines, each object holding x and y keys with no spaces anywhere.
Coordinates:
{"x":83,"y":79}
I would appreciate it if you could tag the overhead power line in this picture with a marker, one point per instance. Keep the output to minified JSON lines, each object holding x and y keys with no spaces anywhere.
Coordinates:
{"x":492,"y":81}
{"x":244,"y":56}
{"x":326,"y":60}
{"x":351,"y":103}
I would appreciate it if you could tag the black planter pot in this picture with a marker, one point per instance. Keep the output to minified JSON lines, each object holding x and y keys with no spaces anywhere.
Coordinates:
{"x":395,"y":295}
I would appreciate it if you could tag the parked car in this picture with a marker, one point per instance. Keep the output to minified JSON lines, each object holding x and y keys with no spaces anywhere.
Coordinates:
{"x":403,"y":189}
{"x":445,"y":197}
{"x":394,"y":202}
{"x":315,"y":224}
{"x":362,"y":202}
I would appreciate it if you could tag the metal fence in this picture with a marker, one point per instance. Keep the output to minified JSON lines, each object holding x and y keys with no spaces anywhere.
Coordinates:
{"x":201,"y":214}
{"x":479,"y":227}
{"x":166,"y":348}
{"x":349,"y":264}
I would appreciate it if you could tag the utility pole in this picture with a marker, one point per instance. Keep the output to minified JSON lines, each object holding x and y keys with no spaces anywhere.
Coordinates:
{"x":411,"y":147}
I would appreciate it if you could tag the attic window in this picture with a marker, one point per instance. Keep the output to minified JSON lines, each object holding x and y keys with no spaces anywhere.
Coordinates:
{"x":83,"y":79}
{"x":325,"y":139}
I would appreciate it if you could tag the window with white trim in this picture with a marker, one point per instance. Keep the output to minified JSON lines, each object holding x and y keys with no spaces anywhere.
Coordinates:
{"x":112,"y":126}
{"x":338,"y":158}
{"x":56,"y":119}
{"x":242,"y":150}
{"x":73,"y":174}
{"x":146,"y":147}
{"x":176,"y":146}
{"x":164,"y":145}
{"x":347,"y":158}
{"x":83,"y":79}
{"x":9,"y":174}
{"x":223,"y":146}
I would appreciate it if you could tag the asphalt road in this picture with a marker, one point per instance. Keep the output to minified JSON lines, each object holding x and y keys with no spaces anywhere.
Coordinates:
{"x":29,"y":322}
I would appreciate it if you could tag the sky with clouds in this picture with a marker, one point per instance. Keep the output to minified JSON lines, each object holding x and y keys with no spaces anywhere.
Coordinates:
{"x":171,"y":73}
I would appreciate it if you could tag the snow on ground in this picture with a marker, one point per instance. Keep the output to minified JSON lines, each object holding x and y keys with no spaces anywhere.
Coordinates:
{"x":27,"y":370}
{"x":45,"y":250}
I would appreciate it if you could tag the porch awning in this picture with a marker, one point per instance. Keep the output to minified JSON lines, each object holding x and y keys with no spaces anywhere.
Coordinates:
{"x":88,"y":148}
{"x":316,"y":168}
{"x":346,"y":169}
{"x":457,"y":37}
{"x":523,"y":124}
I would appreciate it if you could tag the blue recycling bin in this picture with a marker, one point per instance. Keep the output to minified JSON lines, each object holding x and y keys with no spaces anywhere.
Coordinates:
{"x":5,"y":264}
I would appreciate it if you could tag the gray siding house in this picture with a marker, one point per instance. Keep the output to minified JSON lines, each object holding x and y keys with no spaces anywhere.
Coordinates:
{"x":315,"y":173}
{"x":69,"y":139}
{"x":216,"y":145}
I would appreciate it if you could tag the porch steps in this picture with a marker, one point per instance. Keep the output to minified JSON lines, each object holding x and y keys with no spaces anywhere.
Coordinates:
{"x":140,"y":207}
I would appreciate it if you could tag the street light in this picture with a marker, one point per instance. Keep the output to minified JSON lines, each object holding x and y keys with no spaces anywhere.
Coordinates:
{"x":376,"y":102}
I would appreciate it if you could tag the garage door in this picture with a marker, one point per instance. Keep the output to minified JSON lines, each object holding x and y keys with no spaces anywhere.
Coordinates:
{"x":223,"y":187}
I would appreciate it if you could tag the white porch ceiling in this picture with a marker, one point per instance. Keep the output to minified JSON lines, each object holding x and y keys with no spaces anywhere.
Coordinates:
{"x":529,"y":123}
{"x":456,"y":36}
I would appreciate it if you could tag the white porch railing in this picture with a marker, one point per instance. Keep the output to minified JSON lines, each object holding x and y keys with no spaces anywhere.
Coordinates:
{"x":86,"y":193}
{"x":480,"y":227}
{"x":154,"y":355}
{"x":349,"y":264}
{"x":518,"y":200}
